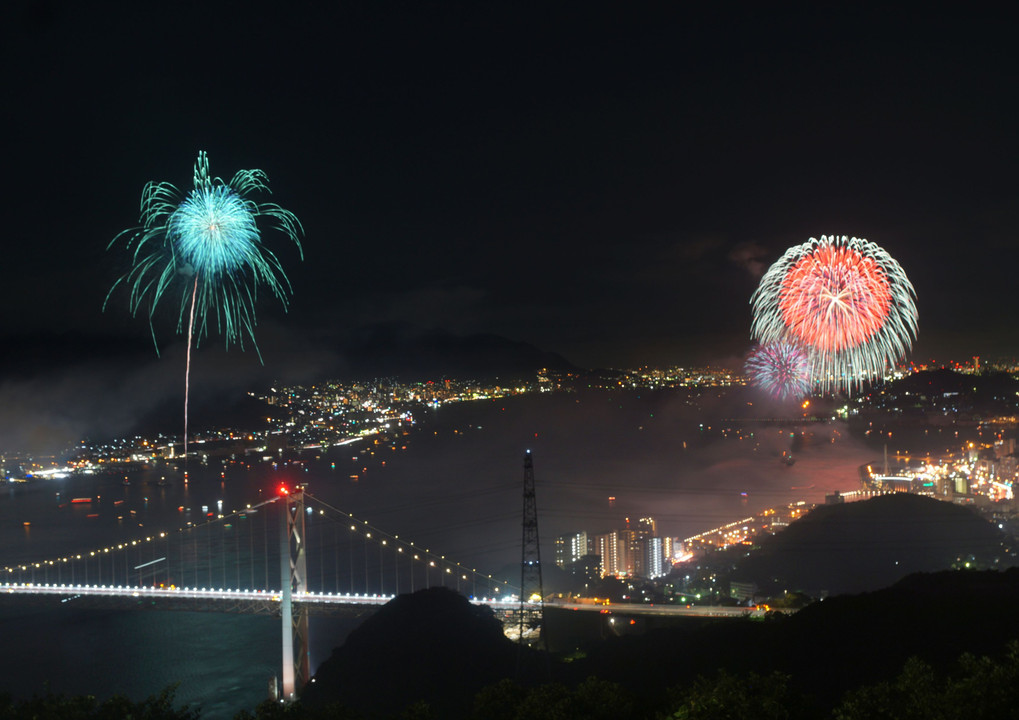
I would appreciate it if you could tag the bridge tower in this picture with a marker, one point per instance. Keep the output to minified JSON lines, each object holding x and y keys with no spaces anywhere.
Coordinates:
{"x":294,"y":578}
{"x":530,"y":561}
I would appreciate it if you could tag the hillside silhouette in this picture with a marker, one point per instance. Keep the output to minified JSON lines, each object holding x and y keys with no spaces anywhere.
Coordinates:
{"x":961,"y":395}
{"x":862,"y":546}
{"x":432,"y":645}
{"x":437,"y":648}
{"x":829,"y":647}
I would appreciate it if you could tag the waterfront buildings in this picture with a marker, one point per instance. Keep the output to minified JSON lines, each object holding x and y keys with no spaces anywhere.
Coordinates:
{"x":634,"y":551}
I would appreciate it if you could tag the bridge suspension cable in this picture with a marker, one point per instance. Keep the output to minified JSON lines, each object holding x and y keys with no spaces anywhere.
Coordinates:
{"x":240,"y":550}
{"x":418,"y":560}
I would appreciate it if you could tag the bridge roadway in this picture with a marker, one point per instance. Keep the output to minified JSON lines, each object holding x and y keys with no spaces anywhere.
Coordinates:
{"x":268,"y":601}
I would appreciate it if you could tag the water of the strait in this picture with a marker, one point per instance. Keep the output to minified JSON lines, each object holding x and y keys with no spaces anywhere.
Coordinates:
{"x":450,"y":482}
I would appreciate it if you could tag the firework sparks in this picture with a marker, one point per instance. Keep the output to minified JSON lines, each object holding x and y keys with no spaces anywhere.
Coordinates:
{"x":781,"y":369}
{"x":845,"y":300}
{"x":206,"y":244}
{"x":205,"y":248}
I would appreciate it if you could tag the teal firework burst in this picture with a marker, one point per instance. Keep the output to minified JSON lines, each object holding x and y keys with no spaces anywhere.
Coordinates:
{"x":205,"y":248}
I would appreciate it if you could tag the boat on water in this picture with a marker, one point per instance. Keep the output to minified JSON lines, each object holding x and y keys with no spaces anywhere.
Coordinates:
{"x":81,"y":501}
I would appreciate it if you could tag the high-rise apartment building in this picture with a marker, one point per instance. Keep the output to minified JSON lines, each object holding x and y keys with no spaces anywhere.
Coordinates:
{"x":658,"y":563}
{"x":570,"y":548}
{"x":607,"y":548}
{"x":635,"y":551}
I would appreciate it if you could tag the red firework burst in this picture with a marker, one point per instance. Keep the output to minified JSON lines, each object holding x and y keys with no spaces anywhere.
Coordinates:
{"x":835,"y":298}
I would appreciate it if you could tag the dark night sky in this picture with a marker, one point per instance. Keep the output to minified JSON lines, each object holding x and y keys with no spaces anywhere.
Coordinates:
{"x":603,"y":183}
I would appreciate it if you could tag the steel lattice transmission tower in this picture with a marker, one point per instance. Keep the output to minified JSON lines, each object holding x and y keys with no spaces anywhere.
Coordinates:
{"x":294,"y":576}
{"x":531,"y":613}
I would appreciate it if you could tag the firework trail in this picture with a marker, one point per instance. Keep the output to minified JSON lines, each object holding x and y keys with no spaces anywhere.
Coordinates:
{"x":846,"y":301}
{"x":205,"y":249}
{"x":781,"y":369}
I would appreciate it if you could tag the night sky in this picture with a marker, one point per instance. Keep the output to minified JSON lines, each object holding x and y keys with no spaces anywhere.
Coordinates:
{"x":607,"y":184}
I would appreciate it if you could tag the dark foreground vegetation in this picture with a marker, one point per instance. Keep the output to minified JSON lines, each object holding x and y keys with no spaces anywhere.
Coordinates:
{"x":938,"y":645}
{"x":978,"y":687}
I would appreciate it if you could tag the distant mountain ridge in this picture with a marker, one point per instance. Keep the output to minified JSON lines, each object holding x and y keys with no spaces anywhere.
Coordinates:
{"x":368,"y":352}
{"x":382,"y":351}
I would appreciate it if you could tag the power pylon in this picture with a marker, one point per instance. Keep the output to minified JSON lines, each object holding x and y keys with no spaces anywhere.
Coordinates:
{"x":532,"y":614}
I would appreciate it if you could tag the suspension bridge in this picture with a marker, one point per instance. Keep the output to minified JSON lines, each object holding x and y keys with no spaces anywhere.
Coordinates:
{"x":291,"y":555}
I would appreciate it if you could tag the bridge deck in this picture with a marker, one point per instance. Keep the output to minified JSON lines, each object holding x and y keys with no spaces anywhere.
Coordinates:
{"x":268,"y":601}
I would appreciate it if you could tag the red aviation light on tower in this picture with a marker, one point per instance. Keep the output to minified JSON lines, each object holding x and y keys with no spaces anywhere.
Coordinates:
{"x":283,"y":491}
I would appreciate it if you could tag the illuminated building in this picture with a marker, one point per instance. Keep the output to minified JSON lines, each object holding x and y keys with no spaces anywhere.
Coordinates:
{"x":637,"y":541}
{"x":570,"y":548}
{"x":607,"y":548}
{"x":648,"y":525}
{"x":657,"y":560}
{"x":668,"y":550}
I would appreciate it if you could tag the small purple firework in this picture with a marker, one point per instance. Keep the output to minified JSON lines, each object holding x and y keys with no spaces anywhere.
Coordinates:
{"x":781,"y":369}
